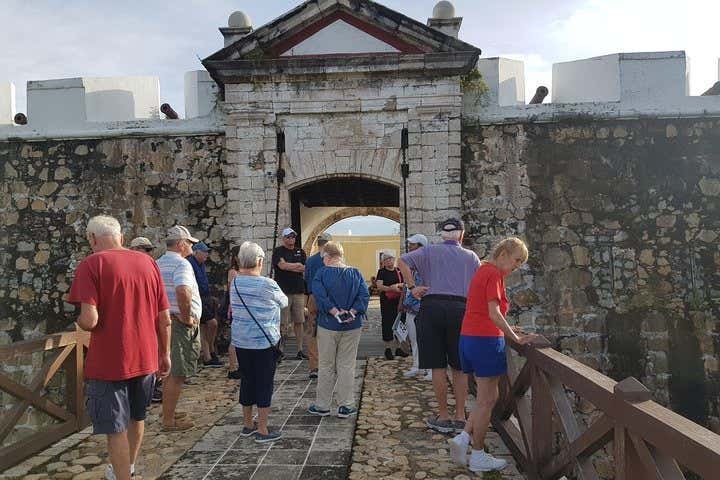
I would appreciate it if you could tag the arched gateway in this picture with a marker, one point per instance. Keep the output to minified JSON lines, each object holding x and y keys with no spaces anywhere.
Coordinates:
{"x":316,"y":109}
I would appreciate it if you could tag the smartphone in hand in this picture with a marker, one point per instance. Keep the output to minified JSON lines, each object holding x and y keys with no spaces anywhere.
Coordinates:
{"x":345,"y":317}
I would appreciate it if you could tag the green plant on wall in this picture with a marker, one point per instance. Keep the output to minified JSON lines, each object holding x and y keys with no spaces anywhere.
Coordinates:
{"x":474,"y":84}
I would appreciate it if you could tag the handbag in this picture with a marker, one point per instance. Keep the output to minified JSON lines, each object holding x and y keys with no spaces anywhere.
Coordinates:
{"x":277,"y":350}
{"x":400,"y":327}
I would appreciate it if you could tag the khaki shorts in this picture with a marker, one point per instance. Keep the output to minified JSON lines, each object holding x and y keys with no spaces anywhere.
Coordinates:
{"x":294,"y":312}
{"x":184,"y":349}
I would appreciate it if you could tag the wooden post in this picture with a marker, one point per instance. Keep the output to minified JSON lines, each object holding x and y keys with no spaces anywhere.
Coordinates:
{"x":542,"y":415}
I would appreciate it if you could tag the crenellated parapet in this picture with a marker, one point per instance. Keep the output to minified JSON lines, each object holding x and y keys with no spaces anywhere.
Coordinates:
{"x":609,"y":86}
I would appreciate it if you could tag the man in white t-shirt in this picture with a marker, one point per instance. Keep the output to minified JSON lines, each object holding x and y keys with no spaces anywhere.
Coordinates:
{"x":185,"y":310}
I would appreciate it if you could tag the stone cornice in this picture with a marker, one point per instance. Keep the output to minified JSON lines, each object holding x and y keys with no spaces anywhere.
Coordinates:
{"x":427,"y":64}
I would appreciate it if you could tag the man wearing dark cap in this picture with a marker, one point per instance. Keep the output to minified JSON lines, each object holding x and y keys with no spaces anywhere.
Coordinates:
{"x":208,"y":322}
{"x":288,"y":263}
{"x":446,"y":269}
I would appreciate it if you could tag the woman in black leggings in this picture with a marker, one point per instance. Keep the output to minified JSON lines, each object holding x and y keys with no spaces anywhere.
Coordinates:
{"x":389,"y":282}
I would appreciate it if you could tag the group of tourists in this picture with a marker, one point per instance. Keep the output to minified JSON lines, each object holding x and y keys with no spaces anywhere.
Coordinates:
{"x":155,"y":320}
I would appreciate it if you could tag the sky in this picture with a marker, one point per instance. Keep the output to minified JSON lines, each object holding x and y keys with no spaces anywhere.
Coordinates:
{"x":44,"y":39}
{"x":369,"y":225}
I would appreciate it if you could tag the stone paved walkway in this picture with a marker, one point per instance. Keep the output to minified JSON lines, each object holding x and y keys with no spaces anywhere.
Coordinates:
{"x":311,"y":448}
{"x":83,"y":456}
{"x":392,"y":440}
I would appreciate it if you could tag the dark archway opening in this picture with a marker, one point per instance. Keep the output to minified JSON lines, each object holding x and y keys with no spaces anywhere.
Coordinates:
{"x":341,"y":192}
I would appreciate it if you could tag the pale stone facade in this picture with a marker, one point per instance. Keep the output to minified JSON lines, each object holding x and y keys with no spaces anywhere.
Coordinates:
{"x":343,"y":127}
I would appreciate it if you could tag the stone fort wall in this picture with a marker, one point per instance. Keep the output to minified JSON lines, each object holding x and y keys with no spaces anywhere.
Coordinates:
{"x":622,"y":220}
{"x":621,"y":217}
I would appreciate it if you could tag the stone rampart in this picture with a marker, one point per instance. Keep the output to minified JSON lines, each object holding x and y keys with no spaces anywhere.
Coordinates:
{"x":623,"y":226}
{"x":49,"y":189}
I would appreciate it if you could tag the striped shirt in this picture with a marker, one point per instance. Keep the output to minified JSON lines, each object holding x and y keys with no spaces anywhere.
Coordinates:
{"x":264,"y":298}
{"x":176,"y":271}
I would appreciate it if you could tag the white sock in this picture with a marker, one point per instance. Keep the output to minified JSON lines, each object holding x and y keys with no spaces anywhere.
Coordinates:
{"x":464,"y":437}
{"x":132,"y":469}
{"x":477,"y":453}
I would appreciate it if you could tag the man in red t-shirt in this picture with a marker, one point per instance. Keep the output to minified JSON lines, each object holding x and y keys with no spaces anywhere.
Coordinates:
{"x":124,"y":306}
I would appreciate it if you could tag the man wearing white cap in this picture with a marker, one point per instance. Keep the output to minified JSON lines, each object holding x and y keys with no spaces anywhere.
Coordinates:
{"x":288,"y":263}
{"x":411,"y":305}
{"x":185,"y":311}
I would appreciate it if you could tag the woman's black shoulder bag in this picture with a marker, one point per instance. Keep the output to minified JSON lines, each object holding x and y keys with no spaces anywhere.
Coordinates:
{"x":277,"y":351}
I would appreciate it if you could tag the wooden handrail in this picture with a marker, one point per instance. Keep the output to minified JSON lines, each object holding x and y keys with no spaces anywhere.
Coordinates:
{"x":72,"y":416}
{"x":649,"y":440}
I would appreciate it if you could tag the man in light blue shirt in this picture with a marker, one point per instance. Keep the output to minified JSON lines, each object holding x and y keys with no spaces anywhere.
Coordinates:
{"x":312,"y":265}
{"x":185,"y":311}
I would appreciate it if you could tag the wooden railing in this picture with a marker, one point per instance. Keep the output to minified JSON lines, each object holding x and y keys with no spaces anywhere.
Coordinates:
{"x":70,"y":417}
{"x":649,"y":441}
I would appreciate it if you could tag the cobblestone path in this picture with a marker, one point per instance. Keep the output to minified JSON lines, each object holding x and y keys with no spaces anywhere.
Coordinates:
{"x":392,"y":440}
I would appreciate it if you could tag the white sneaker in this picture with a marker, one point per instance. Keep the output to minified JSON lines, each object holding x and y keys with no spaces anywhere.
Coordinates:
{"x":458,"y":448}
{"x":428,"y":376}
{"x":411,"y":373}
{"x":110,"y":473}
{"x":480,"y":461}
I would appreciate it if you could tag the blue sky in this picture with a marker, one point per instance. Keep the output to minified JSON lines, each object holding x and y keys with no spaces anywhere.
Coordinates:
{"x":45,"y":39}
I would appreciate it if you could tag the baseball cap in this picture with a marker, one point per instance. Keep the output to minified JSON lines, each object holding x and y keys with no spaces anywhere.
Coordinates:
{"x":324,"y":237}
{"x":451,"y":225}
{"x":200,"y":246}
{"x":418,"y":238}
{"x":178,"y":232}
{"x":387,"y":254}
{"x":288,"y":231}
{"x":141,"y":242}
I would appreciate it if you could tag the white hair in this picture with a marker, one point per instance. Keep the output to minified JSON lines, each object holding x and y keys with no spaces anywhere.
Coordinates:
{"x":249,"y":254}
{"x":104,"y":226}
{"x":454,"y":235}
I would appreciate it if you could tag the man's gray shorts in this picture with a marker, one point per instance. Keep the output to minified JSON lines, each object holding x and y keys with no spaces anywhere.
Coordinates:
{"x":111,"y":405}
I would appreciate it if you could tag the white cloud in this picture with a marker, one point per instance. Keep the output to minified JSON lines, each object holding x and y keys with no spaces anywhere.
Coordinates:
{"x":45,"y":39}
{"x":611,"y":26}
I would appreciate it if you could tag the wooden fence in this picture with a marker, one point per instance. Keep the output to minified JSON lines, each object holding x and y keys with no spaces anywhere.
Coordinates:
{"x":71,"y":417}
{"x":649,"y":441}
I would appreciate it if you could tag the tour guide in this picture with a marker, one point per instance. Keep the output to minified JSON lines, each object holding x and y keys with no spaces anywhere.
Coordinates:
{"x":447,"y":269}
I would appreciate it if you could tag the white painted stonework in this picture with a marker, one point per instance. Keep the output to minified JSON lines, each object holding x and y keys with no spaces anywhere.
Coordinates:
{"x":200,"y":94}
{"x":121,"y":98}
{"x":594,"y":79}
{"x":71,"y":102}
{"x":506,"y":80}
{"x":340,"y":37}
{"x":7,"y":103}
{"x":650,"y":78}
{"x":56,"y":103}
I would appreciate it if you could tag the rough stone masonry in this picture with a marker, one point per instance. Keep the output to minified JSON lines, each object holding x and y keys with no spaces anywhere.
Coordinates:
{"x":622,"y":218}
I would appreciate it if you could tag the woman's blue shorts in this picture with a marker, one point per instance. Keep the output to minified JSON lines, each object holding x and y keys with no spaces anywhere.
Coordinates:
{"x":483,"y":356}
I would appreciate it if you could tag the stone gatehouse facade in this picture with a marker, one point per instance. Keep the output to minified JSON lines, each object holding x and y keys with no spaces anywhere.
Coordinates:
{"x":620,"y":205}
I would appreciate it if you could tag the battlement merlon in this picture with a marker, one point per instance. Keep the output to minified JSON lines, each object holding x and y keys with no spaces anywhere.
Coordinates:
{"x":74,"y":102}
{"x":615,"y":85}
